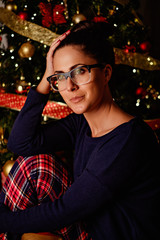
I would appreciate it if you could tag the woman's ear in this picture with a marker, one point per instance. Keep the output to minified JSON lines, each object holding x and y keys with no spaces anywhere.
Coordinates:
{"x":108,"y":72}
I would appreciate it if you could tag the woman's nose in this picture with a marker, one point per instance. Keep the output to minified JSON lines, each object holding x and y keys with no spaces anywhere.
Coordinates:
{"x":71,"y":86}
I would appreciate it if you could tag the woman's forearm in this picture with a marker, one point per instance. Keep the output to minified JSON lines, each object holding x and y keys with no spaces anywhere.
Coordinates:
{"x":26,"y":129}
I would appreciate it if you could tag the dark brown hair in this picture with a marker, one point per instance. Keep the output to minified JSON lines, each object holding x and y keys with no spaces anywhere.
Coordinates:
{"x":93,"y":39}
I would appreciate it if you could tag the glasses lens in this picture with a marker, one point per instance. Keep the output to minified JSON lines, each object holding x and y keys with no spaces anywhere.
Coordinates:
{"x":58,"y":82}
{"x":80,"y":75}
{"x":54,"y":82}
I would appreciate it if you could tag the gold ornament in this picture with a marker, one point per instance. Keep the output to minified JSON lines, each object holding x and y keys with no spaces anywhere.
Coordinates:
{"x":7,"y":167}
{"x":78,"y":17}
{"x":26,"y":50}
{"x":11,"y":6}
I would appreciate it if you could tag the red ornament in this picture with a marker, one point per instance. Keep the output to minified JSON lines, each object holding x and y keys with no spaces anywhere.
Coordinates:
{"x":0,"y":38}
{"x":23,"y":15}
{"x":100,"y":19}
{"x":58,"y":16}
{"x":139,"y":91}
{"x":145,"y":46}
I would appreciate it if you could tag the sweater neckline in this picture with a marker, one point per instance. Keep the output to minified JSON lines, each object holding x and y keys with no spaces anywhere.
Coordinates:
{"x":115,"y":130}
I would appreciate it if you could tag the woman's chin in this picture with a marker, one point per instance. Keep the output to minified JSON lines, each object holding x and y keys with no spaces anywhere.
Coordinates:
{"x":77,"y":109}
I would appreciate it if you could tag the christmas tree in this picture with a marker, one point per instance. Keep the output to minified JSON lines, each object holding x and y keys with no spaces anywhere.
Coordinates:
{"x":29,"y":27}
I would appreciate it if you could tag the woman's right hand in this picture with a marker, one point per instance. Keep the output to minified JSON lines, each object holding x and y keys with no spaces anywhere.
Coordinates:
{"x":44,"y":86}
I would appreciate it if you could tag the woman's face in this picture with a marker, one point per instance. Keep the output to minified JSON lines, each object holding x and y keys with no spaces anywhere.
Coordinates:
{"x":87,"y":97}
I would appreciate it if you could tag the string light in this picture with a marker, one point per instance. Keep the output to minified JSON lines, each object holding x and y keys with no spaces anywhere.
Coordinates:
{"x":20,"y":88}
{"x":138,"y":102}
{"x":134,"y":70}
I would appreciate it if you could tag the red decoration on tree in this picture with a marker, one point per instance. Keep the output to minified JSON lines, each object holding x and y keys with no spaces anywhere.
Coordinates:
{"x":141,"y":92}
{"x":23,"y":15}
{"x":145,"y":46}
{"x":50,"y":16}
{"x":47,"y":21}
{"x":58,"y":16}
{"x":0,"y":38}
{"x":46,"y":11}
{"x":130,"y":48}
{"x":100,"y":19}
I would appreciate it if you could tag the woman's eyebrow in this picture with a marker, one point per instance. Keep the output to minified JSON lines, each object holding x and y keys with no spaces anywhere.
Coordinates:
{"x":72,"y":67}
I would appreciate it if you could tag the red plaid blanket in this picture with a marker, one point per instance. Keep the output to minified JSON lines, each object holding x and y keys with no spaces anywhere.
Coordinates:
{"x":36,"y":179}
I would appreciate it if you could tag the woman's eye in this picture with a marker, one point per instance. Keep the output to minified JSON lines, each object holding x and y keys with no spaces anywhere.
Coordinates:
{"x":79,"y":71}
{"x":61,"y":77}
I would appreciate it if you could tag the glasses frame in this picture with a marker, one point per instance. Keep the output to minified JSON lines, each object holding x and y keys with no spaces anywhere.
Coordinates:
{"x":68,"y":74}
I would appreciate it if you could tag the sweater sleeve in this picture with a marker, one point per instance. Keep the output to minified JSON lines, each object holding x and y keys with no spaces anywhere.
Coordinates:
{"x":29,"y":137}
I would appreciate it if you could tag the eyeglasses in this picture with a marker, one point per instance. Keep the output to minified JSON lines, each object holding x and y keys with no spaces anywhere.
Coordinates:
{"x":79,"y":76}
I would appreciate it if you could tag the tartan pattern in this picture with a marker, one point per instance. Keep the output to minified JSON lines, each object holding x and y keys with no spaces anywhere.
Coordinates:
{"x":36,"y":179}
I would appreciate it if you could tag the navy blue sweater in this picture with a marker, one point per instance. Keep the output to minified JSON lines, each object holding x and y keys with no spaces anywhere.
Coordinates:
{"x":116,"y":188}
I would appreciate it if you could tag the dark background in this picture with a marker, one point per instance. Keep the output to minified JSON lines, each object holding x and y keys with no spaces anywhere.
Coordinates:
{"x":150,"y":12}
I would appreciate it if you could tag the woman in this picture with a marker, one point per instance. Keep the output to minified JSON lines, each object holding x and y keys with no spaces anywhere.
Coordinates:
{"x":116,"y":187}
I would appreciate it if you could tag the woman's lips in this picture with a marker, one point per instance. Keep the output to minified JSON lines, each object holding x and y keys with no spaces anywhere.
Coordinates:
{"x":76,"y":99}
